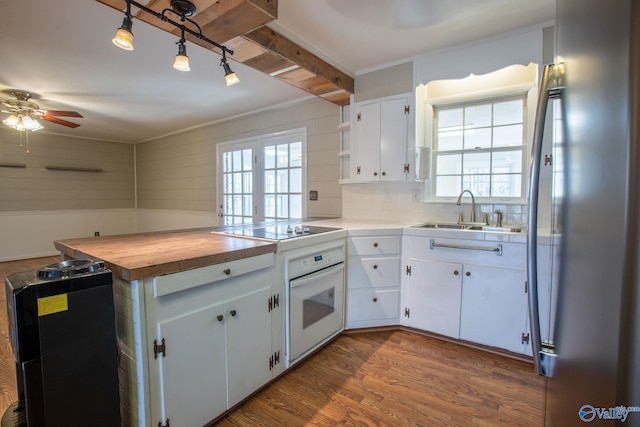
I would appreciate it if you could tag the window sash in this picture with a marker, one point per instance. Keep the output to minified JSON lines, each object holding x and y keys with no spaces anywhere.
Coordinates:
{"x":480,"y":146}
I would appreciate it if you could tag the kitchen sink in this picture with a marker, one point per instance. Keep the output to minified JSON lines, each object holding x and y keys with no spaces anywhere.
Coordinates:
{"x":436,"y":225}
{"x":469,"y":227}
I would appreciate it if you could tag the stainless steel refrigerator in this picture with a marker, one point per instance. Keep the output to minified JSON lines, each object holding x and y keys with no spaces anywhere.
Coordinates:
{"x":584,"y":220}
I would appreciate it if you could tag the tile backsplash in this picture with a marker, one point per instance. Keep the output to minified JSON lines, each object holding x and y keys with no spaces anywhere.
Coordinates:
{"x":402,"y":202}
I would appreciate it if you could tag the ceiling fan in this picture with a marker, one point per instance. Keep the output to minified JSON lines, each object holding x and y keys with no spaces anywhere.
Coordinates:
{"x":25,"y":114}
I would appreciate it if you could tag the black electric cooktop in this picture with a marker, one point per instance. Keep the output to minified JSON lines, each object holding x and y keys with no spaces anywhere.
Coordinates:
{"x":280,"y":231}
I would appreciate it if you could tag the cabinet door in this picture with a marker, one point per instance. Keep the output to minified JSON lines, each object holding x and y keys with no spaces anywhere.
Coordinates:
{"x":193,"y":369}
{"x":248,"y":343}
{"x":394,"y":126}
{"x":494,"y":307}
{"x":432,"y":295}
{"x":366,"y":146}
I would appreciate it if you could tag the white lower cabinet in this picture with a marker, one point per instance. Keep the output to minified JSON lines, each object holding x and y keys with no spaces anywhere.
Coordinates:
{"x":466,"y":291}
{"x":210,"y":345}
{"x":494,"y":307}
{"x":432,"y":295}
{"x":373,"y":280}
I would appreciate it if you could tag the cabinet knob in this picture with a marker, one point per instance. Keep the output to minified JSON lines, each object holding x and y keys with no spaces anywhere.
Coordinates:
{"x":375,"y":245}
{"x":375,"y":266}
{"x":384,"y":173}
{"x":227,"y":271}
{"x":468,"y":273}
{"x":220,"y":317}
{"x":233,"y":313}
{"x":456,"y":272}
{"x":375,"y":299}
{"x":375,"y":174}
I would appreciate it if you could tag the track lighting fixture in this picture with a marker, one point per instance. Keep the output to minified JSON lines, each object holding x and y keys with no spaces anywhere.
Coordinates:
{"x":183,"y":9}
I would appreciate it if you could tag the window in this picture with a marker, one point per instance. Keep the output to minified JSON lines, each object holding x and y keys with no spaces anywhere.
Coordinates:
{"x":480,"y":146}
{"x":263,"y":178}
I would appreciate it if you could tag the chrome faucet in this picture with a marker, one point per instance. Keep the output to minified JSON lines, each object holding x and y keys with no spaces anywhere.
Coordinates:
{"x":473,"y":204}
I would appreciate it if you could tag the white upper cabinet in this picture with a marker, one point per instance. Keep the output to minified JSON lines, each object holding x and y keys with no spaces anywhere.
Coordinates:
{"x":380,"y":139}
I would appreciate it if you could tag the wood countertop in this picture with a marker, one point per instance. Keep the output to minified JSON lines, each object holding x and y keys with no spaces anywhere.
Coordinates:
{"x":137,"y":256}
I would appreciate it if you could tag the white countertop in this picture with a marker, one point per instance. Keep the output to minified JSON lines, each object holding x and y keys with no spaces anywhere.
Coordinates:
{"x":358,"y":227}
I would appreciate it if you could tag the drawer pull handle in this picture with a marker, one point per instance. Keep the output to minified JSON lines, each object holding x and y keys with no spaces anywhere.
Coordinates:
{"x":456,"y":273}
{"x":220,"y":317}
{"x":233,"y":313}
{"x":375,"y":245}
{"x":375,"y":299}
{"x":375,"y":266}
{"x":227,"y":271}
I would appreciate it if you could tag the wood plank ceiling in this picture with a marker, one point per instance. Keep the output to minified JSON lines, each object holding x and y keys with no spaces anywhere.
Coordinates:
{"x":240,"y":26}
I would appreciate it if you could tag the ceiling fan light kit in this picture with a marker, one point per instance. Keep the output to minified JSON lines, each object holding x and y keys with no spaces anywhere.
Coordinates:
{"x":24,"y":114}
{"x":183,"y":9}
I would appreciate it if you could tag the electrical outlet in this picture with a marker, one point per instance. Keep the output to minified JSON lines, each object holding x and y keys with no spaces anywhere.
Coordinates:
{"x":415,"y":195}
{"x":387,"y":196}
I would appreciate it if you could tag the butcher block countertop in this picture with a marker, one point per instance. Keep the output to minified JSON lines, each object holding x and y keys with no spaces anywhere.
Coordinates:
{"x":137,"y":256}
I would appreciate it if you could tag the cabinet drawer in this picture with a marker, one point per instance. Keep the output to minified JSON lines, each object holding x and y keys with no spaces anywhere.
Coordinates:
{"x":373,"y":305}
{"x":373,"y":272}
{"x":170,"y":283}
{"x":376,"y":245}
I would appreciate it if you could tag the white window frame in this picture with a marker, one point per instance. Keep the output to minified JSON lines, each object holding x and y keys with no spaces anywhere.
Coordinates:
{"x":257,"y":145}
{"x":512,"y":80}
{"x":489,"y":150}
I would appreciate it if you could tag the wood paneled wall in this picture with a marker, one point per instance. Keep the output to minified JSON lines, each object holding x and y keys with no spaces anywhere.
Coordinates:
{"x":36,"y":188}
{"x":178,"y":172}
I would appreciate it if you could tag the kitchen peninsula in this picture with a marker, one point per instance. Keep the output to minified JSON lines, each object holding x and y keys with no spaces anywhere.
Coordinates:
{"x":193,"y":321}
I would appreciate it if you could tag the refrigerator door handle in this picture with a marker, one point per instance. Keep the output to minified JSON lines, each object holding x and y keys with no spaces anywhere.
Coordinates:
{"x":543,"y":359}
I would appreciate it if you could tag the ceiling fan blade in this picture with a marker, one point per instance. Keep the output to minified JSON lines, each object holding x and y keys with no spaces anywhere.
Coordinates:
{"x":56,"y":120}
{"x":61,"y":113}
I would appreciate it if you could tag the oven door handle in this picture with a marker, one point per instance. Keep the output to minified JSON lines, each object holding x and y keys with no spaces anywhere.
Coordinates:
{"x":312,"y":277}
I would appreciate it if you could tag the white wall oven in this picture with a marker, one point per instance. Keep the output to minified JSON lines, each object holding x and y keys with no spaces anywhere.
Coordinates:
{"x":316,"y":297}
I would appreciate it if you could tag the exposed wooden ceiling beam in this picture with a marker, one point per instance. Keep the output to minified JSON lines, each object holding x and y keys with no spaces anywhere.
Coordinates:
{"x":240,"y":25}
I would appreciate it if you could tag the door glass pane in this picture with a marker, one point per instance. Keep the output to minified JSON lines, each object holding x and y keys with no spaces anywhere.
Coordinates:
{"x":282,"y":181}
{"x":295,"y":180}
{"x":295,"y":206}
{"x":295,"y":150}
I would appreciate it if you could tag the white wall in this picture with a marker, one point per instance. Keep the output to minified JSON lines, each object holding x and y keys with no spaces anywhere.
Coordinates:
{"x":31,"y":234}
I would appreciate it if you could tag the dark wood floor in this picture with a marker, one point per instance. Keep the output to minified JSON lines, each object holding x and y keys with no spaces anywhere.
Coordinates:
{"x":381,"y":378}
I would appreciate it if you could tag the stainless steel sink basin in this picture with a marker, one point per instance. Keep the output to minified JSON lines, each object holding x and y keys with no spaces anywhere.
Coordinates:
{"x":488,"y":228}
{"x":436,"y":225}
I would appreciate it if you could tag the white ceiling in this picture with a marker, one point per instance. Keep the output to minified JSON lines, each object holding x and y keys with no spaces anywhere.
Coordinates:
{"x":62,"y":52}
